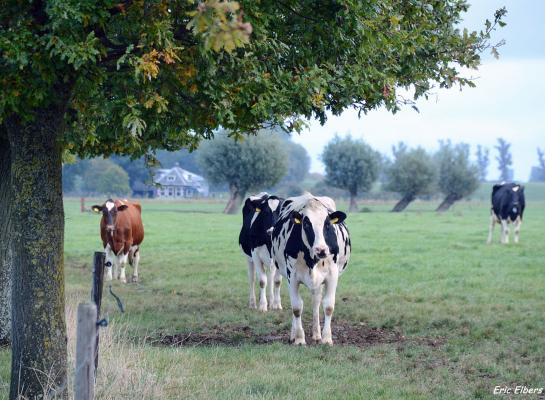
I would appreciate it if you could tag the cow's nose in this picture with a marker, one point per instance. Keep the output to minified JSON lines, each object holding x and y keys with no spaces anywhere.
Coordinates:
{"x":321,"y":252}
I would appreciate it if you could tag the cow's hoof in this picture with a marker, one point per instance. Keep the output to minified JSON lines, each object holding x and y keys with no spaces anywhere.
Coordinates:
{"x":135,"y":278}
{"x":299,"y":342}
{"x":262,"y":308}
{"x":123,"y":280}
{"x":317,"y":340}
{"x":252,"y":305}
{"x":276,"y":307}
{"x":328,"y":341}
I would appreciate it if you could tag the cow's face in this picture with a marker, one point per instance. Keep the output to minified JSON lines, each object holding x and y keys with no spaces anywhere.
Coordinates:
{"x":109,"y":214}
{"x":318,"y":232}
{"x":517,"y":192}
{"x":266,"y":210}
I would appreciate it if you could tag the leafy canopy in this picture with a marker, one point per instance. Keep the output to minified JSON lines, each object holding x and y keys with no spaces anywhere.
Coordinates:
{"x":412,"y":173}
{"x":458,"y":176}
{"x":350,"y":164}
{"x":164,"y":74}
{"x":255,"y":163}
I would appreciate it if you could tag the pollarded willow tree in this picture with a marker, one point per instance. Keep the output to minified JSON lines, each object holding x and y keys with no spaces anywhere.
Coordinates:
{"x":255,"y":163}
{"x":412,"y":173}
{"x":103,"y":77}
{"x":352,"y":165}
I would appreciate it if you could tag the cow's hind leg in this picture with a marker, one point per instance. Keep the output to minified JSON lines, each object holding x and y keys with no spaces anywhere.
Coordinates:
{"x":134,"y":261}
{"x":316,"y":300}
{"x":297,"y":335}
{"x":251,"y":282}
{"x":329,"y":306}
{"x":122,"y":260}
{"x":491,"y":228}
{"x":517,"y":225}
{"x":277,"y":302}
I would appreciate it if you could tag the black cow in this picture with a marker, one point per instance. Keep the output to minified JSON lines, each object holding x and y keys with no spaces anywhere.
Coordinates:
{"x":258,"y":217}
{"x":311,"y":245}
{"x":507,"y":206}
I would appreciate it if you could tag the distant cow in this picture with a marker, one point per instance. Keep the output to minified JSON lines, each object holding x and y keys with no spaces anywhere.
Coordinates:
{"x":122,"y":232}
{"x":258,"y":216}
{"x":507,"y":206}
{"x":311,"y":245}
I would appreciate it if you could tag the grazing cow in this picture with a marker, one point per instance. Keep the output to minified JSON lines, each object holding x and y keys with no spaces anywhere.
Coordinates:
{"x":311,"y":245}
{"x":507,"y":206}
{"x":258,"y":216}
{"x":122,"y":232}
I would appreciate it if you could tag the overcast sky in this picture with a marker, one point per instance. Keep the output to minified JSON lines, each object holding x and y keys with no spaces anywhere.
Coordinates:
{"x":508,"y":101}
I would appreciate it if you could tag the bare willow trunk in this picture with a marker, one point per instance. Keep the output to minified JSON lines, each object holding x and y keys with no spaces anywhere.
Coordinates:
{"x":353,"y":207}
{"x":5,"y":249}
{"x":235,"y":200}
{"x":37,"y":230}
{"x":403,"y":203}
{"x":447,"y":202}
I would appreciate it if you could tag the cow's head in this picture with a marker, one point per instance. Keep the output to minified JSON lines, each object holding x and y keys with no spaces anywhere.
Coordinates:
{"x":109,"y":213}
{"x":266,"y":211}
{"x":515,"y":205}
{"x":318,"y":233}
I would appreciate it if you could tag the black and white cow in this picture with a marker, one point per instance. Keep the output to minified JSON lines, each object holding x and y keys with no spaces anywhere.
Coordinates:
{"x":311,"y":245}
{"x":507,"y":206}
{"x":258,"y":216}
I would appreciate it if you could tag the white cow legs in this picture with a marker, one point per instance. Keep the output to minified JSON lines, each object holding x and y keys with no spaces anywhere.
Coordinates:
{"x":276,"y":302}
{"x":491,"y":228}
{"x":135,"y":261}
{"x":316,"y":300}
{"x":504,"y":232}
{"x":251,"y":282}
{"x":270,"y":285}
{"x":262,"y":277}
{"x":297,"y":335}
{"x":110,"y":262}
{"x":517,"y":224}
{"x":329,"y":306}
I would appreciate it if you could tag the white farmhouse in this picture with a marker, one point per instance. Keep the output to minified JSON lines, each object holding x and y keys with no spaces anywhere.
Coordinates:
{"x":176,"y":182}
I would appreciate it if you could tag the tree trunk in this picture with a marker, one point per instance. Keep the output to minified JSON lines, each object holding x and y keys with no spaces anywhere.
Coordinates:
{"x":38,"y":368}
{"x":5,"y":248}
{"x":449,"y":201}
{"x":353,"y":207}
{"x":403,"y":203}
{"x":235,"y":200}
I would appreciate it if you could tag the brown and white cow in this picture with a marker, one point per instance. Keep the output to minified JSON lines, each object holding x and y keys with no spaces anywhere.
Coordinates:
{"x":122,"y":232}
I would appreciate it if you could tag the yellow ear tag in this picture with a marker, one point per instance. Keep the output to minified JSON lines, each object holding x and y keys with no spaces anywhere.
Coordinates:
{"x":297,"y":220}
{"x":334,"y":220}
{"x":258,"y":210}
{"x":96,"y":209}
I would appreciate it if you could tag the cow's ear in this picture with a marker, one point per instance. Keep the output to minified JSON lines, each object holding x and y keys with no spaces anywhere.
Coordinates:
{"x":122,"y":207}
{"x":296,"y":217}
{"x":96,"y":208}
{"x":337,"y":217}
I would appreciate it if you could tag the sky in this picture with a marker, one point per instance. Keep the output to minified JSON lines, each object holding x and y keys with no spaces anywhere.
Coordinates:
{"x":508,"y":101}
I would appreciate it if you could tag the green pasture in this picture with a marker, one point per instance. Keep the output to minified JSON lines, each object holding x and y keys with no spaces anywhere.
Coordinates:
{"x":453,"y":317}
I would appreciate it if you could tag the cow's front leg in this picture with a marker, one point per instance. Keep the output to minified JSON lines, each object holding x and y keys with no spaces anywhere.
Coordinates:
{"x":504,"y":231}
{"x":297,"y":335}
{"x":316,"y":300}
{"x":491,"y":228}
{"x":251,"y":282}
{"x":517,"y":224}
{"x":277,"y":302}
{"x":122,"y":263}
{"x":262,"y":277}
{"x":329,"y":304}
{"x":109,"y":263}
{"x":270,"y":286}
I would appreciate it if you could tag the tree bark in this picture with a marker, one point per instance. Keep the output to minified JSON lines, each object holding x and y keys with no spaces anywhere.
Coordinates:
{"x":447,"y":202}
{"x":235,"y":200}
{"x":403,"y":203}
{"x":39,"y":354}
{"x":353,"y":207}
{"x":5,"y":242}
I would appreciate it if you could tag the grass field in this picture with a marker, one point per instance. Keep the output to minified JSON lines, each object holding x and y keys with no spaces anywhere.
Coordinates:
{"x":431,"y":310}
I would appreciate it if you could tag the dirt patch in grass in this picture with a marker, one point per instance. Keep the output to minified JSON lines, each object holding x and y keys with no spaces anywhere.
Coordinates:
{"x":344,"y":333}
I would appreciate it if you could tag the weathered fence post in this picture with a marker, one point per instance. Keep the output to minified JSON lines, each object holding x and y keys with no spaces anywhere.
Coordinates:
{"x":82,"y":204}
{"x":85,"y":352}
{"x":96,"y":293}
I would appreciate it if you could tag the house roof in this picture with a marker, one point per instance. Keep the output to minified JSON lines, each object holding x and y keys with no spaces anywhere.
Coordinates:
{"x":177,"y":176}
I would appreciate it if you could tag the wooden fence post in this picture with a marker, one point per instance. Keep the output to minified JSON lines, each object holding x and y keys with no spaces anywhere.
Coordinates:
{"x":85,"y":352}
{"x":96,"y":293}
